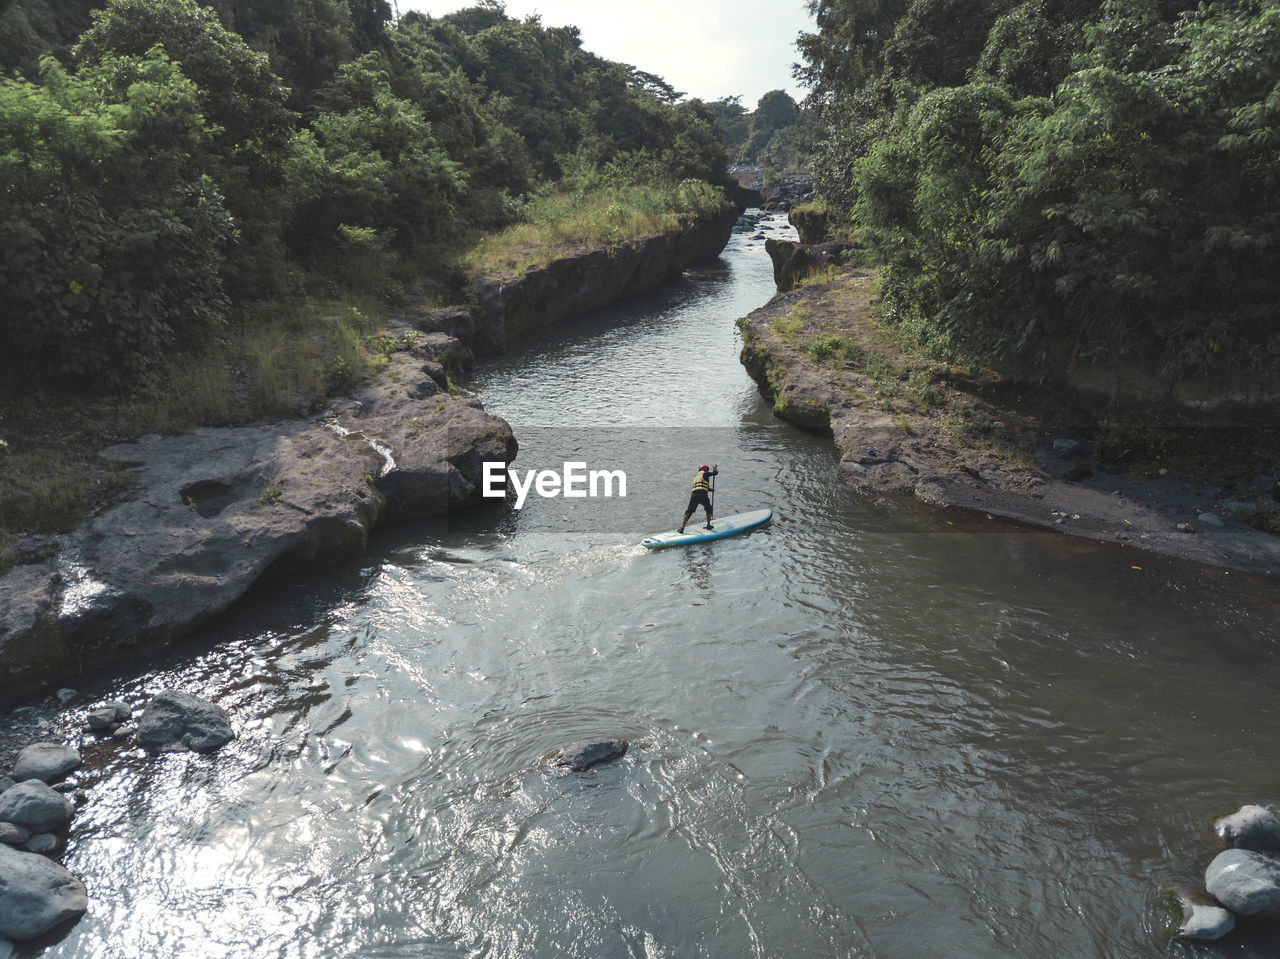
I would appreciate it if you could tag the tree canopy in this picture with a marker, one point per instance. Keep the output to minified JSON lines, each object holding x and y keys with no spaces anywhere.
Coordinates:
{"x":1063,"y":181}
{"x":166,"y":160}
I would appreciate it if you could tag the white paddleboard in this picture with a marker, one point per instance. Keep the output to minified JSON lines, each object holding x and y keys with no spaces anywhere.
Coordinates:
{"x":720,"y":527}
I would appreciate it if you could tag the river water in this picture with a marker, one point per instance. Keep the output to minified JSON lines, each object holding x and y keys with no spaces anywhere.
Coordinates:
{"x":861,"y":731}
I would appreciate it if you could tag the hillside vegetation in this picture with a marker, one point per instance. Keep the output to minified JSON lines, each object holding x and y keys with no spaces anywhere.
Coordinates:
{"x":1058,"y":184}
{"x":168,"y":165}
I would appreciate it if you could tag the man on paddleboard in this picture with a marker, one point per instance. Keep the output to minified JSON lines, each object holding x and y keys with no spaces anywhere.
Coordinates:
{"x":701,"y":494}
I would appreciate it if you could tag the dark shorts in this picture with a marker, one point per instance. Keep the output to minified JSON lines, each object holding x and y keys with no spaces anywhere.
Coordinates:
{"x":699,"y":498}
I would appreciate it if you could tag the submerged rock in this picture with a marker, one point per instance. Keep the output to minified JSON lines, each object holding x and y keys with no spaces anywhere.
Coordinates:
{"x":1250,"y":827}
{"x":45,"y":761}
{"x":175,"y":720}
{"x":36,"y":894}
{"x":1246,"y":882}
{"x":586,"y":753}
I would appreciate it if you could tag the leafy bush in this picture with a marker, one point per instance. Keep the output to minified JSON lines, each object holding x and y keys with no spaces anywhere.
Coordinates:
{"x":111,"y":239}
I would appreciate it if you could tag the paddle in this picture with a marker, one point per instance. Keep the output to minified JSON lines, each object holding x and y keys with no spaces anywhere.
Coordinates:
{"x":713,"y":497}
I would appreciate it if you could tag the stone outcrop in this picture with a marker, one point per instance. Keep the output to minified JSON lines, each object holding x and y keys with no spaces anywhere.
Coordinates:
{"x":950,"y":436}
{"x":507,"y":306}
{"x":214,"y":510}
{"x":792,"y":262}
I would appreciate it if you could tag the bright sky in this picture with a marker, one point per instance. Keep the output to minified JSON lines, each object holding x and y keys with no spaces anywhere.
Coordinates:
{"x":709,"y":49}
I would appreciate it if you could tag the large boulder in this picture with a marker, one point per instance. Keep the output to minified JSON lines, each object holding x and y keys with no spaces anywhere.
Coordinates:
{"x":215,"y":510}
{"x":1246,"y":882}
{"x":586,"y":753}
{"x":1250,"y":827}
{"x":175,"y":720}
{"x":45,"y":761}
{"x":35,"y":807}
{"x":36,"y":894}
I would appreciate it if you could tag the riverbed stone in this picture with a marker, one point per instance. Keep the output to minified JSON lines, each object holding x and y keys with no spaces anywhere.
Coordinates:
{"x":1202,"y":922}
{"x":11,"y":834}
{"x":108,"y":715}
{"x":6,"y":949}
{"x":175,"y":720}
{"x":36,"y":894}
{"x":7,"y":782}
{"x":586,"y":753}
{"x":1250,"y":827}
{"x":1246,"y":882}
{"x":42,"y":843}
{"x":45,"y":761}
{"x":35,"y":806}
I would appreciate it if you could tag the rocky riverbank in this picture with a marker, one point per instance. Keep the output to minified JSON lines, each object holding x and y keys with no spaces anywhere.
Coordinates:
{"x":961,"y":438}
{"x":213,"y":511}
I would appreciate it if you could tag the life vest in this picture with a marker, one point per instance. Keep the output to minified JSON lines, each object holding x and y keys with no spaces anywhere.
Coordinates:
{"x":700,"y":482}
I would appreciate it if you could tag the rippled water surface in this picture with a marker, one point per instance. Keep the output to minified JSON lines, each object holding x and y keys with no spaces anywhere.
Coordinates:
{"x":862,"y":731}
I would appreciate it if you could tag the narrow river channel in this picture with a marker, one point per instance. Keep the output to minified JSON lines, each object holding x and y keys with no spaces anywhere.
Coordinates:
{"x":861,"y":731}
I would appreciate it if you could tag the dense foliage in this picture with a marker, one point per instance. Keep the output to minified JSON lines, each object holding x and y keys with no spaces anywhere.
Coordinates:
{"x":1075,"y":182}
{"x":164,"y":161}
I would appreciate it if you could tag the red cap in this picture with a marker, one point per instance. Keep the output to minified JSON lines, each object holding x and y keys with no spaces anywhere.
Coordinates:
{"x":702,"y":469}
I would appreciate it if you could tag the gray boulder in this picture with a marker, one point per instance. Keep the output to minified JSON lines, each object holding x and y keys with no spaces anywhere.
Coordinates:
{"x":36,"y":894}
{"x":12,"y":834}
{"x":586,"y":753}
{"x":44,"y":843}
{"x":1246,"y":882}
{"x":7,"y":782}
{"x":1204,"y":923}
{"x":175,"y":720}
{"x":1250,"y":827}
{"x":35,"y":807}
{"x":45,"y":761}
{"x":107,"y":715}
{"x":6,"y":949}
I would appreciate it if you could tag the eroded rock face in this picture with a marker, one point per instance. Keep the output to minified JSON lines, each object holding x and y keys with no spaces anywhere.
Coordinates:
{"x":178,"y":720}
{"x":1247,"y":883}
{"x":509,"y":306}
{"x":36,"y":894}
{"x":216,"y":509}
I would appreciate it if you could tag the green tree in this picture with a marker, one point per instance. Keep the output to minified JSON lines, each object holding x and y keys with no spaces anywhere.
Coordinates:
{"x":243,"y":101}
{"x":112,"y":237}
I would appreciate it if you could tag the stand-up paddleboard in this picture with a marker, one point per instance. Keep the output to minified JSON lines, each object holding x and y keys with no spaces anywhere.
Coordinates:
{"x":720,"y":527}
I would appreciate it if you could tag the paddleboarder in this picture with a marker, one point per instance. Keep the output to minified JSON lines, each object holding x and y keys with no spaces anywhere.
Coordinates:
{"x":701,"y":496}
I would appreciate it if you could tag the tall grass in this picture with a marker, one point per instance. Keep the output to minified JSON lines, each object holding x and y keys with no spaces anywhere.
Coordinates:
{"x":280,"y":359}
{"x":596,"y":214}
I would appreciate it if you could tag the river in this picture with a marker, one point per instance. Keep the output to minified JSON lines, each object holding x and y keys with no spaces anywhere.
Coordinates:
{"x":865,"y":730}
